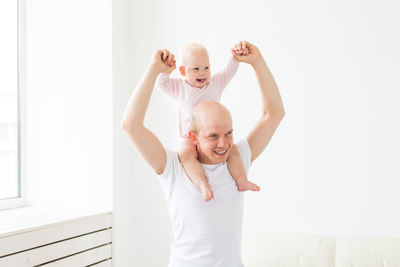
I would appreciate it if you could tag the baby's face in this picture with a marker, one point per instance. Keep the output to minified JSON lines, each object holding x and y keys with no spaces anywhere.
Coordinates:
{"x":197,"y":69}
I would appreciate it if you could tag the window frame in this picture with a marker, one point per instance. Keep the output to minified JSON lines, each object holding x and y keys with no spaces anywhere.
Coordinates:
{"x":21,"y":122}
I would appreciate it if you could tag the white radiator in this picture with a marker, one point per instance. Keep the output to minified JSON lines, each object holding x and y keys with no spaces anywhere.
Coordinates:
{"x":77,"y":241}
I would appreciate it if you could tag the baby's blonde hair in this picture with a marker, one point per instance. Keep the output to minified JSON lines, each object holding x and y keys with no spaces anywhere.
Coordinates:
{"x":187,"y":49}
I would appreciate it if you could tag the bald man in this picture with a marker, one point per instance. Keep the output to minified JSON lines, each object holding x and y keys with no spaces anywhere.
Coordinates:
{"x":206,"y":234}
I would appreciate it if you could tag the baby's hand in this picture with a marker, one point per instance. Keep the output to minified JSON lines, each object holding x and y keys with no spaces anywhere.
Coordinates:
{"x":246,"y":52}
{"x":164,"y":60}
{"x":241,"y":52}
{"x":168,"y":58}
{"x":240,"y":49}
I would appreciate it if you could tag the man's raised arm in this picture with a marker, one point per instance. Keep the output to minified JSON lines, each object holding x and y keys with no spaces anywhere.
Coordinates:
{"x":272,"y":106}
{"x":132,"y":122}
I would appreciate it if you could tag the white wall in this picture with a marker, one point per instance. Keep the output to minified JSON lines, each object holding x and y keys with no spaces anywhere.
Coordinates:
{"x":140,"y":231}
{"x":333,"y":166}
{"x":69,"y":106}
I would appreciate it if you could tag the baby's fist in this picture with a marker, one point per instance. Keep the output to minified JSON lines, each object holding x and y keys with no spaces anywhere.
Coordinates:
{"x":164,"y":60}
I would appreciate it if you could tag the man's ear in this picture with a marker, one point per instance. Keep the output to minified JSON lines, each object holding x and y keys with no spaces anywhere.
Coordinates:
{"x":182,"y":70}
{"x":193,"y":138}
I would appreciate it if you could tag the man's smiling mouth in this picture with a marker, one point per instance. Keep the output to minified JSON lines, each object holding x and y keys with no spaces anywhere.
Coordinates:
{"x":221,"y":152}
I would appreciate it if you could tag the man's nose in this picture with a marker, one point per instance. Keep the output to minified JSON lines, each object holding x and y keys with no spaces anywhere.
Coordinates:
{"x":222,"y":142}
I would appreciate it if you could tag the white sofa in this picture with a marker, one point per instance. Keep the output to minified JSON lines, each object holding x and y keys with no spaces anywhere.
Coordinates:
{"x":319,"y":251}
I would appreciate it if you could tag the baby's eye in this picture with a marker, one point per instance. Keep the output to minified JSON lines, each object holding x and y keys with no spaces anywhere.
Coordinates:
{"x":196,"y":68}
{"x":206,"y":68}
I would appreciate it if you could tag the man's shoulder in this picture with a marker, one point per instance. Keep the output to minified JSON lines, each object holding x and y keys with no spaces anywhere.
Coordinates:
{"x":245,"y":152}
{"x":172,"y":163}
{"x":242,"y":143}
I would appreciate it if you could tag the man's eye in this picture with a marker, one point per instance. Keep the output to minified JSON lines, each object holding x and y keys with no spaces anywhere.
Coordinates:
{"x":229,"y":133}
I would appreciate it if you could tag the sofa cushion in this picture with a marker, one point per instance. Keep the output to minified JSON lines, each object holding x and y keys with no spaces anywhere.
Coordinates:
{"x":367,"y":252}
{"x":289,"y":251}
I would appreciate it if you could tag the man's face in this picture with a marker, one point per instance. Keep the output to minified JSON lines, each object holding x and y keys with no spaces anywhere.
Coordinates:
{"x":215,"y":139}
{"x":197,"y":69}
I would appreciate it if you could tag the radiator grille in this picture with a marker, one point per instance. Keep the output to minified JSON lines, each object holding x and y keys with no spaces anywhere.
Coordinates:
{"x":77,"y":242}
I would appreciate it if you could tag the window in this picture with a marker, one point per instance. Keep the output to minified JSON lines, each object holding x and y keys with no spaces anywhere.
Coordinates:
{"x":59,"y":137}
{"x":10,"y":141}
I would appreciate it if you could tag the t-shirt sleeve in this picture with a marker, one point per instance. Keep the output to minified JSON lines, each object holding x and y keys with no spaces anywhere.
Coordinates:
{"x":222,"y":78}
{"x":245,"y":152}
{"x":168,"y":85}
{"x":167,"y":178}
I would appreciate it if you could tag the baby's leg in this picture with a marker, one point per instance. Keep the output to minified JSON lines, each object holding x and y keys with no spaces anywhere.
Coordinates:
{"x":238,"y":172}
{"x":193,"y":168}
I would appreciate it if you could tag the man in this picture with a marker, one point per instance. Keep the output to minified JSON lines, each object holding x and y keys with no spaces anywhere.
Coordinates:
{"x":206,"y":234}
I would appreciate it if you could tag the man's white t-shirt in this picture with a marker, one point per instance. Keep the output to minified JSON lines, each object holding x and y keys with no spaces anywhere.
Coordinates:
{"x":206,"y":234}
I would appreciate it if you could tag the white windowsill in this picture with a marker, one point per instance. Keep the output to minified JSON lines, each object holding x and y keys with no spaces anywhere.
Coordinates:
{"x":24,"y":219}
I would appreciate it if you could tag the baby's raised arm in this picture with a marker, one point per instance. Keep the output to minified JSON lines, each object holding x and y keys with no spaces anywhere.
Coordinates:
{"x":166,"y":83}
{"x":223,"y":77}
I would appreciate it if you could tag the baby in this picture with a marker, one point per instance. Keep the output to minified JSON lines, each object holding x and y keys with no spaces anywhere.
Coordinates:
{"x":199,"y":86}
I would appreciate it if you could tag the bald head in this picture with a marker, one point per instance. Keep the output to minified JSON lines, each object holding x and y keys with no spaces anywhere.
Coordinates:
{"x":209,"y":115}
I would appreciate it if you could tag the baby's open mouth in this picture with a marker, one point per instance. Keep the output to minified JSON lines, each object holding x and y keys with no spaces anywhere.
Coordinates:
{"x":201,"y":80}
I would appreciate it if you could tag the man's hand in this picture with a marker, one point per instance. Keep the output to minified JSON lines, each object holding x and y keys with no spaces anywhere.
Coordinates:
{"x":164,"y":61}
{"x":246,"y":52}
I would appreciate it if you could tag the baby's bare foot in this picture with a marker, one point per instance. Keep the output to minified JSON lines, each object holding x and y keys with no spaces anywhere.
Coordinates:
{"x":247,"y":185}
{"x":206,"y":192}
